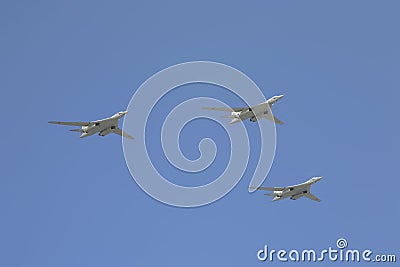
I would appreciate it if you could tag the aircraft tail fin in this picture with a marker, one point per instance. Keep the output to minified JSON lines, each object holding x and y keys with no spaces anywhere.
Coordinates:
{"x":235,"y":120}
{"x":276,"y":198}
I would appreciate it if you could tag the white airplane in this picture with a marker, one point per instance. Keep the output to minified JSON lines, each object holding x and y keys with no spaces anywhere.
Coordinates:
{"x":103,"y":127}
{"x":254,"y":113}
{"x":294,"y":191}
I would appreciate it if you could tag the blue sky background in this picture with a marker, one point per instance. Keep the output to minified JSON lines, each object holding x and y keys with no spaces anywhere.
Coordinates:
{"x":66,"y":201}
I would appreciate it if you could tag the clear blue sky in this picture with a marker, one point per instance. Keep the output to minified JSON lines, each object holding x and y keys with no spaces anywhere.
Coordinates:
{"x":66,"y":201}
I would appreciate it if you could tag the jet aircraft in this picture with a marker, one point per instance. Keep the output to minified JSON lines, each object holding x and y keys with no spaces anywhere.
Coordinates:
{"x":294,"y":191}
{"x":253,"y":113}
{"x":103,"y":127}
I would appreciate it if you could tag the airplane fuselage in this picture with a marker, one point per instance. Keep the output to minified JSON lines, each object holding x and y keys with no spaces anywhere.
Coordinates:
{"x":256,"y":112}
{"x":252,"y":113}
{"x":296,"y":191}
{"x":105,"y":127}
{"x":292,"y":192}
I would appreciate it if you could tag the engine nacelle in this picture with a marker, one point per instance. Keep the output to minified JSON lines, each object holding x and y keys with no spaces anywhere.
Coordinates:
{"x":296,"y":196}
{"x":105,"y":132}
{"x":253,"y":119}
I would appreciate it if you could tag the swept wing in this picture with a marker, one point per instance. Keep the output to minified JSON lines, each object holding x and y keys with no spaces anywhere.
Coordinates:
{"x":278,"y":121}
{"x":269,"y":188}
{"x":122,"y":133}
{"x":228,"y":109}
{"x":312,"y":197}
{"x":71,"y":123}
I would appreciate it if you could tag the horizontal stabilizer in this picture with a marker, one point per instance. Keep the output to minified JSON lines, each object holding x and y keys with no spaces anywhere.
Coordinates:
{"x":76,"y":130}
